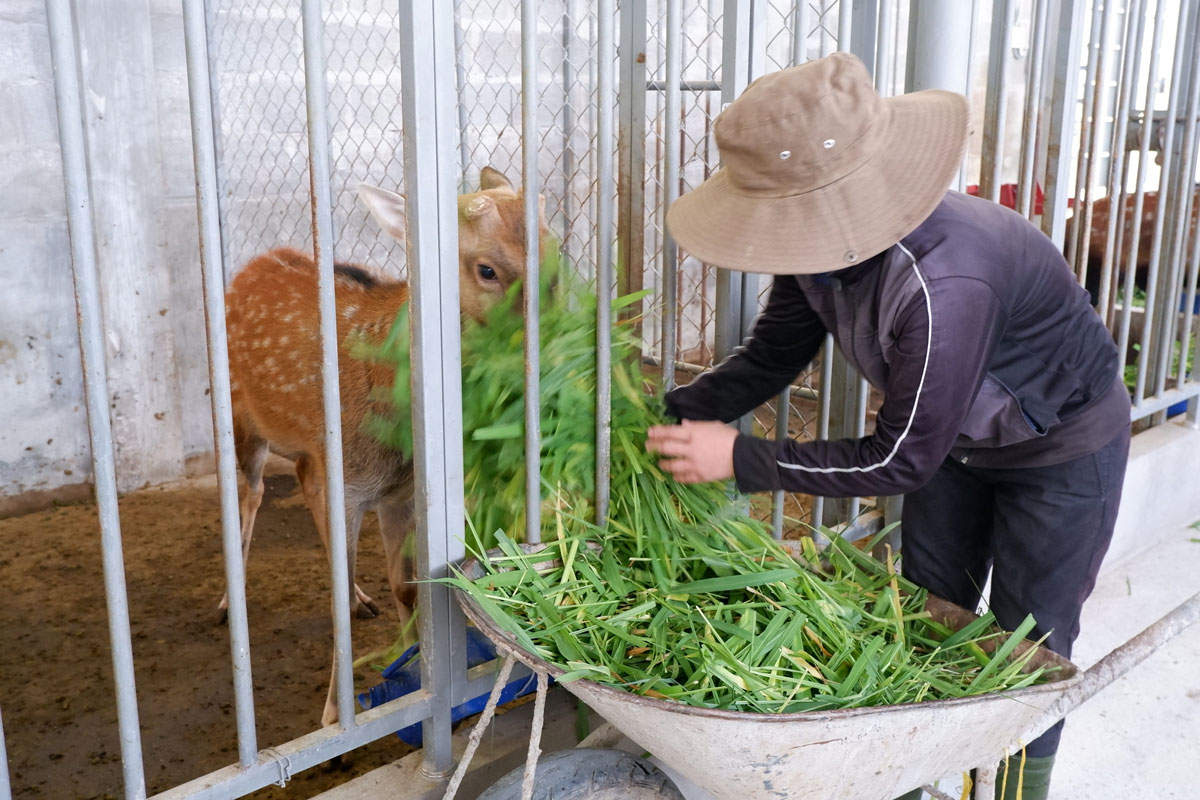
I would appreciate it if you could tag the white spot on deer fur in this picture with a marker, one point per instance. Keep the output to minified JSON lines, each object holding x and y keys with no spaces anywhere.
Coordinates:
{"x":288,"y":387}
{"x":266,"y":342}
{"x":283,"y":339}
{"x":349,"y":311}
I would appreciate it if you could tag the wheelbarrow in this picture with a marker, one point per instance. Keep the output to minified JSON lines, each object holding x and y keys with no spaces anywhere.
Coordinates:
{"x":873,"y":753}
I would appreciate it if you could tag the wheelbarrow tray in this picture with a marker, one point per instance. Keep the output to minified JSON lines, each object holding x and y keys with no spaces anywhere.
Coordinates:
{"x":871,"y":753}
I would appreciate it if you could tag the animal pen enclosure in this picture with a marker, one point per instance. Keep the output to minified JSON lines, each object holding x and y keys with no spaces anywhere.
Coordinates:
{"x":1081,"y":110}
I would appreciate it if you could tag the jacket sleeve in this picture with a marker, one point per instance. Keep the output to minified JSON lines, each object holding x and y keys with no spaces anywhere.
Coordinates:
{"x":945,"y":339}
{"x":786,"y":336}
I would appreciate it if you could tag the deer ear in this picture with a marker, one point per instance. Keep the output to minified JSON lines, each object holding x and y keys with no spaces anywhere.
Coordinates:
{"x":490,"y":178}
{"x":386,"y":207}
{"x":476,"y":206}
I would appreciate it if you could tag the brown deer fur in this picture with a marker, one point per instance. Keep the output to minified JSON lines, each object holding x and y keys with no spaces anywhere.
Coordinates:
{"x":275,"y":371}
{"x":1098,"y":239}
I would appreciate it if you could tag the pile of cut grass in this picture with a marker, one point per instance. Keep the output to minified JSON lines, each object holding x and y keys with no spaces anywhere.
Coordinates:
{"x":677,"y":596}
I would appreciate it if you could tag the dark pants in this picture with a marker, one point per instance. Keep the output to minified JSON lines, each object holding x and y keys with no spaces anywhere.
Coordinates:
{"x":1042,"y":530}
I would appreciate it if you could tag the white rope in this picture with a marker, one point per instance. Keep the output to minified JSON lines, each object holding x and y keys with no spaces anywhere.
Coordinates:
{"x":485,"y":719}
{"x":535,"y":738}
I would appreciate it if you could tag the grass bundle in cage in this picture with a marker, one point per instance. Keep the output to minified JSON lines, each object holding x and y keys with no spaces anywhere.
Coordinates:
{"x":677,"y":596}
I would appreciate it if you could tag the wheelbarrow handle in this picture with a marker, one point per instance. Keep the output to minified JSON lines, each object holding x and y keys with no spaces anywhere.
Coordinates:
{"x":1125,"y":658}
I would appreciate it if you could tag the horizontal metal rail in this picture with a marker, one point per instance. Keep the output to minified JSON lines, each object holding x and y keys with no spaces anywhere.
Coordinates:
{"x":279,"y":764}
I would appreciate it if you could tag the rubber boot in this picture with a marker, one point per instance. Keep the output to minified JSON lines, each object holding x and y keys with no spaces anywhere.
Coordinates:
{"x":1035,"y":785}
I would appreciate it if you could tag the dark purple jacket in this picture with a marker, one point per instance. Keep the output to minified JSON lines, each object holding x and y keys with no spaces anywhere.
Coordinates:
{"x":974,"y":328}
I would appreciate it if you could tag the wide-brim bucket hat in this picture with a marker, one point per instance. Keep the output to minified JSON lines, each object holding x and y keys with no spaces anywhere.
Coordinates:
{"x":820,"y":172}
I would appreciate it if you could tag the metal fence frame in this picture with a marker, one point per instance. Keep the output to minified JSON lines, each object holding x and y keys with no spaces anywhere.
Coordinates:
{"x":432,"y":88}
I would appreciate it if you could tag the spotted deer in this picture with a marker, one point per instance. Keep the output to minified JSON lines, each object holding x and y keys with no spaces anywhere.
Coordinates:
{"x":1098,"y":239}
{"x":275,"y":358}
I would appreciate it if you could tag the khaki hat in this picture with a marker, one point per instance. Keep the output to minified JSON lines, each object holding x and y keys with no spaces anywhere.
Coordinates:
{"x":820,"y":172}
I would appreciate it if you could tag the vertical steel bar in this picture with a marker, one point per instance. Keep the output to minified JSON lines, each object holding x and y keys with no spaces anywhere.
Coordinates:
{"x":460,"y":82}
{"x":783,"y":407}
{"x":1138,"y":205}
{"x":1033,"y":110}
{"x":864,"y":30}
{"x":218,"y":143}
{"x":427,"y":86}
{"x":5,"y":783}
{"x":800,"y":27}
{"x":824,"y":412}
{"x":1063,"y":97}
{"x":317,"y":103}
{"x":735,"y":75}
{"x":1091,"y":95}
{"x":845,"y":25}
{"x":529,"y":173}
{"x":996,"y":106}
{"x":671,"y":170}
{"x":203,"y":152}
{"x":972,"y":42}
{"x":1187,"y":185}
{"x":61,"y":26}
{"x":1094,"y":113}
{"x":606,"y":188}
{"x":317,"y":100}
{"x":883,"y":47}
{"x":1135,"y":21}
{"x":631,"y":158}
{"x":568,"y":123}
{"x":1170,"y":206}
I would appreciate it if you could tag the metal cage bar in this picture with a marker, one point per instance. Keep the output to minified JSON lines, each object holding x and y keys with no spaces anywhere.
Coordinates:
{"x":317,"y":103}
{"x":1135,"y":21}
{"x":213,"y":271}
{"x":671,"y":169}
{"x":1138,"y":206}
{"x":1161,"y":298}
{"x":1063,"y":92}
{"x":1033,"y":104}
{"x":1189,"y":265}
{"x":1094,"y":116}
{"x":61,"y":25}
{"x":606,"y":187}
{"x":429,"y":109}
{"x":996,"y":103}
{"x":530,"y":181}
{"x":5,"y":782}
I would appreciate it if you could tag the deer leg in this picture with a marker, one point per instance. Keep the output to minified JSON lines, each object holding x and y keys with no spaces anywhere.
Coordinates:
{"x":312,"y":481}
{"x":395,"y":524}
{"x":251,"y":451}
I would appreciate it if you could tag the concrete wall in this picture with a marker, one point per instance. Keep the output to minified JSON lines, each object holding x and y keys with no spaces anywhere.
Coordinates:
{"x":145,"y":246}
{"x":1160,"y":494}
{"x":139,"y":141}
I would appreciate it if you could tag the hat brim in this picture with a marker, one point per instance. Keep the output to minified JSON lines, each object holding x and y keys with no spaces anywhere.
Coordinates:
{"x":844,"y":222}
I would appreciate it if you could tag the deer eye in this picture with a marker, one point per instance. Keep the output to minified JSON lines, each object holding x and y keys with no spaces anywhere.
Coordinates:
{"x":486,"y":272}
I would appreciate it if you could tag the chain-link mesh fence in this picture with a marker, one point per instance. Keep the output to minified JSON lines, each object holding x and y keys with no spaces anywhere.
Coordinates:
{"x":259,"y":76}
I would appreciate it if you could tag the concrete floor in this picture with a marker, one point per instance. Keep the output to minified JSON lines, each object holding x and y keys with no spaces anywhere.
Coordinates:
{"x":1137,"y":739}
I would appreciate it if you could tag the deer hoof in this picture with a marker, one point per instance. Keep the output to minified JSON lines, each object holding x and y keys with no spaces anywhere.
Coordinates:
{"x":368,"y":610}
{"x":221,"y":617}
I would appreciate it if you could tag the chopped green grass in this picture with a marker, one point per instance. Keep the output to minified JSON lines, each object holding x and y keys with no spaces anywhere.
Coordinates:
{"x":677,"y":595}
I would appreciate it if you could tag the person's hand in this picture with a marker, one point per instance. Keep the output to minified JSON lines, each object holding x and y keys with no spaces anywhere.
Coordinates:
{"x":696,"y":452}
